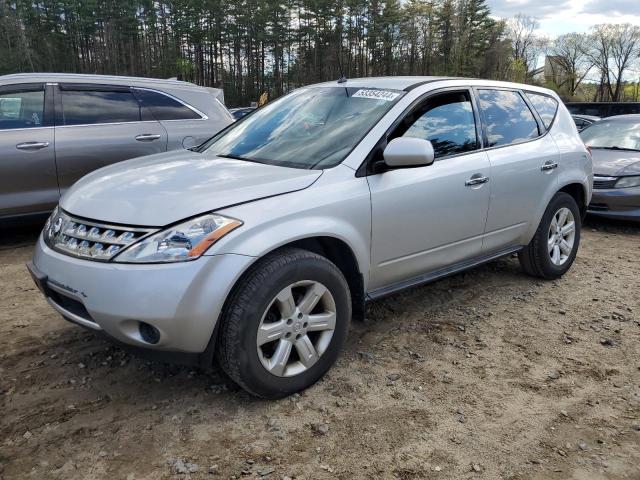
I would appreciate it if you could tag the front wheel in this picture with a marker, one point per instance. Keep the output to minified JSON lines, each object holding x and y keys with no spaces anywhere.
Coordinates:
{"x":284,"y":324}
{"x":553,"y":248}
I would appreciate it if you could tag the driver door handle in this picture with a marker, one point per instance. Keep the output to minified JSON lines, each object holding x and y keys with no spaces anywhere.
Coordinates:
{"x":32,"y":145}
{"x":147,"y":137}
{"x":477,"y":179}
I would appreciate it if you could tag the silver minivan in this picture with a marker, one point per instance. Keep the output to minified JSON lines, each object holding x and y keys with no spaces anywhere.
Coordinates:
{"x":56,"y":128}
{"x":256,"y":248}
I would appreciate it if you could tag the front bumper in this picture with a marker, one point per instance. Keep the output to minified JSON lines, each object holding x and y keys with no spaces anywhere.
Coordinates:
{"x":619,"y":203}
{"x":181,"y":300}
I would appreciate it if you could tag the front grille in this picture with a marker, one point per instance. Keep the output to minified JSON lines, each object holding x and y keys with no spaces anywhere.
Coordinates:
{"x":87,"y":239}
{"x":604,"y":182}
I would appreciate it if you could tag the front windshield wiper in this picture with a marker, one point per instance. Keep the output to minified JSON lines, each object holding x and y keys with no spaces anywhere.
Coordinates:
{"x":234,"y":157}
{"x":617,"y":148}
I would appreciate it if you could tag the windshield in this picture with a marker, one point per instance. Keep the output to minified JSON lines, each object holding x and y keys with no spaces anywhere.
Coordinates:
{"x":613,"y":134}
{"x":310,"y":128}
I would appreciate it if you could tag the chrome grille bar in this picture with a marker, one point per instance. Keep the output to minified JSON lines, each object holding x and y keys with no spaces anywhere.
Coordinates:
{"x":88,"y":239}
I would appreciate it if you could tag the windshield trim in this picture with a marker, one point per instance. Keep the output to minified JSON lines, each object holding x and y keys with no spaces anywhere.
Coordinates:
{"x":205,"y":146}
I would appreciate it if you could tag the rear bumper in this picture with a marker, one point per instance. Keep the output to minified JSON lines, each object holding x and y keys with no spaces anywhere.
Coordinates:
{"x":618,"y":203}
{"x":181,"y":300}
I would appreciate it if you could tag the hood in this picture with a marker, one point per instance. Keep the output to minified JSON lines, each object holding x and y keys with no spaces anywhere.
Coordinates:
{"x":615,"y":163}
{"x":161,"y":189}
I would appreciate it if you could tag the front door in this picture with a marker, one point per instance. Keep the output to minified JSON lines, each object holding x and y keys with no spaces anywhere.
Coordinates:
{"x":28,"y":182}
{"x":99,"y":125}
{"x":428,"y":218}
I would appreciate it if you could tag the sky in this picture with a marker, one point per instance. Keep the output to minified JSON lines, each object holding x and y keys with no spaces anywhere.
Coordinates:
{"x":563,"y":16}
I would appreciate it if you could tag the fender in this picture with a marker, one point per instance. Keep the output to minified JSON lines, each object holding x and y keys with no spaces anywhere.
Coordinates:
{"x":341,"y":210}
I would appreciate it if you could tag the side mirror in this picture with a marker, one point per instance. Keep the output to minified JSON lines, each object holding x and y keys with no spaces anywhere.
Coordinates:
{"x":408,"y":152}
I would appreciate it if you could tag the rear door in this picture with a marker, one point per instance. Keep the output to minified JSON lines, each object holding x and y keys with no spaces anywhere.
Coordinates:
{"x":524,"y":163}
{"x":186,"y":125}
{"x":28,"y":182}
{"x":97,"y":125}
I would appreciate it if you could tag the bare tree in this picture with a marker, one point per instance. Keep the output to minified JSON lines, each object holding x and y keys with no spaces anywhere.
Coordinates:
{"x":613,"y":49}
{"x":569,"y":62}
{"x":527,"y":46}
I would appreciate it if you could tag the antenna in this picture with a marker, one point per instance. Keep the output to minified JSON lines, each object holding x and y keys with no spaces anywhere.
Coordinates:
{"x":342,"y":78}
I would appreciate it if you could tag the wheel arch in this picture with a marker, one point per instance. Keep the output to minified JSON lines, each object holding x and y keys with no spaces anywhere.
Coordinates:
{"x":579,"y":194}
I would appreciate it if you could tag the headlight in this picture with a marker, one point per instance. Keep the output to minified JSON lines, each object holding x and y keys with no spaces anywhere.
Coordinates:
{"x":624,"y":182}
{"x":180,"y":243}
{"x":46,"y":231}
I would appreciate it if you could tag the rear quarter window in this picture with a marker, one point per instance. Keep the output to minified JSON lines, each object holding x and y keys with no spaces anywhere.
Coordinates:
{"x":546,"y":106}
{"x":163,"y":107}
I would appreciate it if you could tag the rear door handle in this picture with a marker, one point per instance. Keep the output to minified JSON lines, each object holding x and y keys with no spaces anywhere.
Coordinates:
{"x":549,"y":166}
{"x":477,"y":179}
{"x":32,"y":145}
{"x":147,"y":137}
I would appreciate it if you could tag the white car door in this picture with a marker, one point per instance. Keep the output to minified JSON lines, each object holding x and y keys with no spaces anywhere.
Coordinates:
{"x":429,"y":218}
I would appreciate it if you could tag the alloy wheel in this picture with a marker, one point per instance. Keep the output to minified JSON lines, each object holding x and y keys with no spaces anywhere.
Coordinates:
{"x":562,"y":233}
{"x":296,"y":329}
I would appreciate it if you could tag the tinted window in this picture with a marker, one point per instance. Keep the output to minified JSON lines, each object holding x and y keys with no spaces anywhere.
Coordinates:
{"x":91,"y":107}
{"x":163,"y":107}
{"x":580,"y":123}
{"x":508,"y":117}
{"x":447,"y":121}
{"x":545,"y":106}
{"x":21,"y":110}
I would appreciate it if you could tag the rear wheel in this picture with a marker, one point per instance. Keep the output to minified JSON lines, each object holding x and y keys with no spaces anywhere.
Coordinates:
{"x":284,"y":324}
{"x":553,"y":248}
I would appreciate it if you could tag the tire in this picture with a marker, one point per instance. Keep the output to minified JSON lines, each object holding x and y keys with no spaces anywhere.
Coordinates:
{"x":540,"y":258}
{"x":259,"y":309}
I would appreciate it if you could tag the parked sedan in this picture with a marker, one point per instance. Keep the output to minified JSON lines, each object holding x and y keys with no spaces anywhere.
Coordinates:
{"x":56,"y":128}
{"x":241,"y":112}
{"x":584,"y":121}
{"x":615,"y":143}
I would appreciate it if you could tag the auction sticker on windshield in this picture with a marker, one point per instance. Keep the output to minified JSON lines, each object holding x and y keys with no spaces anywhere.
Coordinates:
{"x":376,"y":94}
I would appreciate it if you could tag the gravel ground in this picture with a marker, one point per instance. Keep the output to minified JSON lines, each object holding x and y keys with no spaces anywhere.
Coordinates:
{"x":487,"y":374}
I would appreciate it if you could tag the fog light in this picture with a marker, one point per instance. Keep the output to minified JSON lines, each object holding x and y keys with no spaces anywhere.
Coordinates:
{"x":149,"y":333}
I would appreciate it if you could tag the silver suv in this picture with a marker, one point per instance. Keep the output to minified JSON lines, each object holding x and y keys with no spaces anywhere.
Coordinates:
{"x":56,"y":128}
{"x":257,"y":249}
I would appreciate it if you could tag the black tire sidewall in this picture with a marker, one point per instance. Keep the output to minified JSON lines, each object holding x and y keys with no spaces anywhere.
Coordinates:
{"x":251,"y":370}
{"x":560,"y":200}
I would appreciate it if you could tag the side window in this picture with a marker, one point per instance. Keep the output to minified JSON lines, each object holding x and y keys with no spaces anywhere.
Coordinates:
{"x":21,"y":110}
{"x":507,"y":116}
{"x":163,"y":107}
{"x":88,"y":107}
{"x":545,"y":106}
{"x":447,"y":121}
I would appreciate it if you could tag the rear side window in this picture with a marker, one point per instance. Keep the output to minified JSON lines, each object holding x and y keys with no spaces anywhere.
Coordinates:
{"x":87,"y":107}
{"x":507,"y":116}
{"x":163,"y":107}
{"x":21,"y":110}
{"x":545,"y":106}
{"x":447,"y":121}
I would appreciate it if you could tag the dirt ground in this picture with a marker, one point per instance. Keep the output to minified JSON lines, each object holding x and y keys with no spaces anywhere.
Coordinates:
{"x":488,"y":374}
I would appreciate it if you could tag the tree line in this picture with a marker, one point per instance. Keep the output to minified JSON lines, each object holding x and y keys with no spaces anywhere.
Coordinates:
{"x":249,"y":47}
